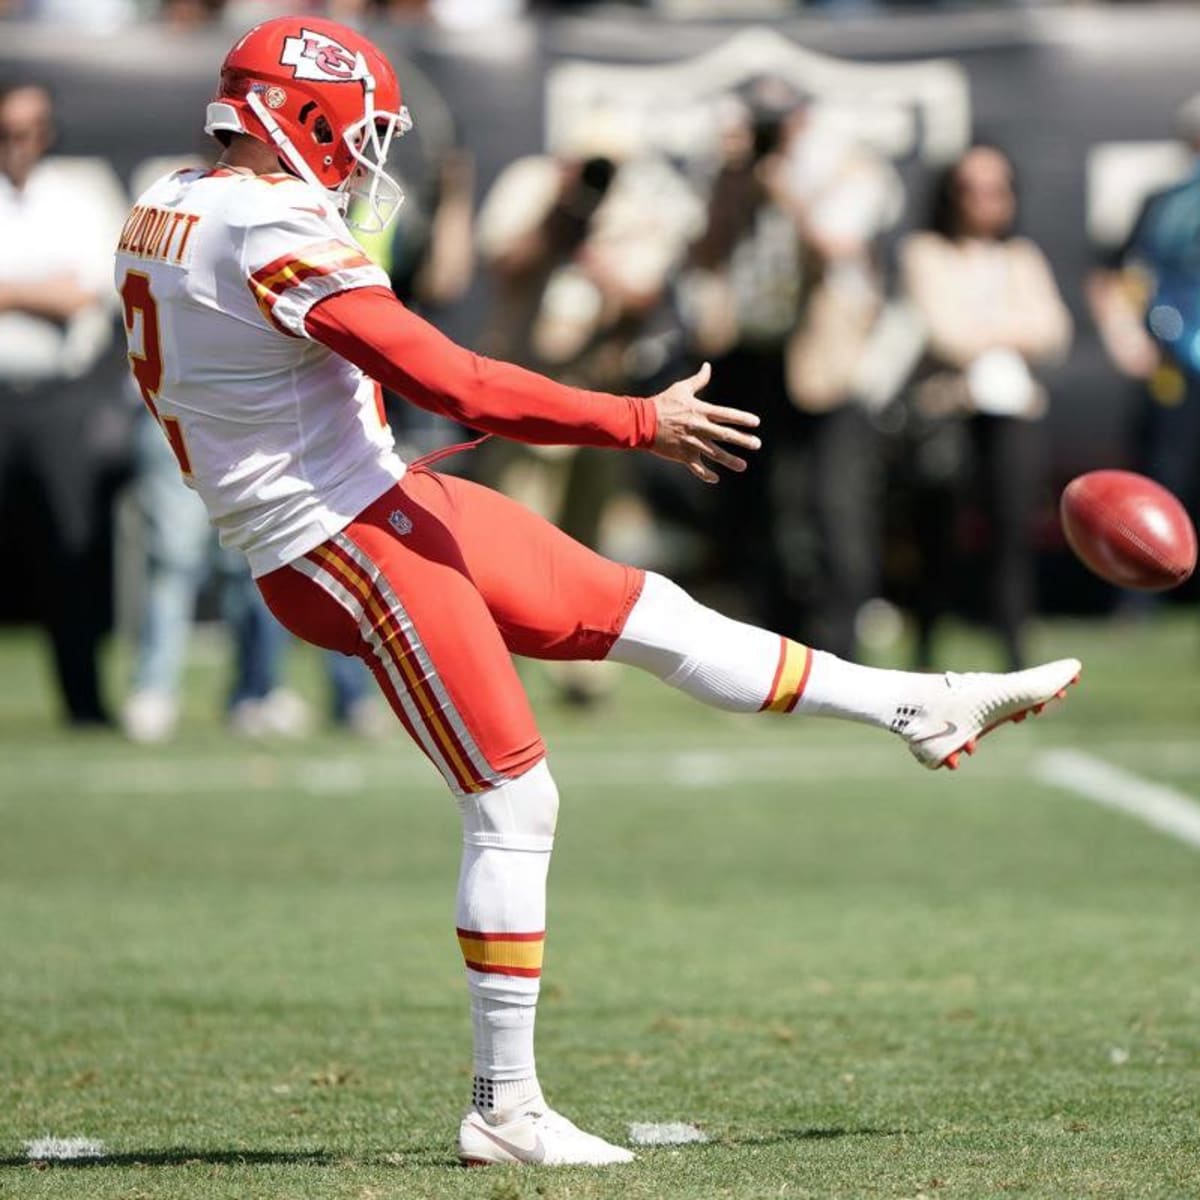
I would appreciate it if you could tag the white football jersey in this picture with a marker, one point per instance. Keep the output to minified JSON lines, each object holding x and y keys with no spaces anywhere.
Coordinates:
{"x":284,"y":440}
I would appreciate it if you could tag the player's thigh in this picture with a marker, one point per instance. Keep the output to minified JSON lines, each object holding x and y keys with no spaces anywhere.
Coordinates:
{"x":410,"y":610}
{"x":550,"y":596}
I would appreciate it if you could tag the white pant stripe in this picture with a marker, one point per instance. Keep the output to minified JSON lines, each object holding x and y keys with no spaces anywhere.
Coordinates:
{"x":483,"y":768}
{"x":334,"y":587}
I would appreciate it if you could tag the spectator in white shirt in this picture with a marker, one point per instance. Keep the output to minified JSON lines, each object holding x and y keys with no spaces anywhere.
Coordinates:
{"x":54,"y":325}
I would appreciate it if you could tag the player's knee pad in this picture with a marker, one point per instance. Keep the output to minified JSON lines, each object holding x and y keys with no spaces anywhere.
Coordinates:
{"x":519,"y":814}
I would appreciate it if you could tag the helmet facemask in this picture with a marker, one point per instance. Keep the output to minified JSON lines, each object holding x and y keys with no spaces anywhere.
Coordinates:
{"x":368,"y":141}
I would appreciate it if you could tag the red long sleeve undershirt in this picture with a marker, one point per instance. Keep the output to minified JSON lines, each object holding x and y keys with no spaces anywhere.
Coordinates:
{"x":372,"y":329}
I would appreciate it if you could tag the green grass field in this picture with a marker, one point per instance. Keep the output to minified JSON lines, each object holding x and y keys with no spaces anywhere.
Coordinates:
{"x":235,"y":965}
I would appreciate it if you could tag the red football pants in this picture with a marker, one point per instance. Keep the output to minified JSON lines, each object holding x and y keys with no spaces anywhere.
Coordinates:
{"x":434,"y":586}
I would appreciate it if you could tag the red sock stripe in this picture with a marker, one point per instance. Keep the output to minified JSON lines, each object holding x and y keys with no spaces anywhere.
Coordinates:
{"x":492,"y":969}
{"x":808,"y":659}
{"x":783,"y":648}
{"x":540,"y":936}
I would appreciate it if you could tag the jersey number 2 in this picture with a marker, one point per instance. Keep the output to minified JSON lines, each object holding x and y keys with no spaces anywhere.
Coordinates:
{"x":147,"y":365}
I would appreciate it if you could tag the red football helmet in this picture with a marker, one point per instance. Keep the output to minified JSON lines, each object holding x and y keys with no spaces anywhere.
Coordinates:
{"x":326,"y":99}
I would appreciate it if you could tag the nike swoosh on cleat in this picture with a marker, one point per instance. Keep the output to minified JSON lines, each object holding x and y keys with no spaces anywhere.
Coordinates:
{"x":534,"y":1154}
{"x":931,"y":737}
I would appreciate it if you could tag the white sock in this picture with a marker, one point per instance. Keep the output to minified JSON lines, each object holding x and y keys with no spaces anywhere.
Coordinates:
{"x":497,"y":1098}
{"x":852,"y":692}
{"x":719,"y":661}
{"x":741,"y":668}
{"x":508,"y":833}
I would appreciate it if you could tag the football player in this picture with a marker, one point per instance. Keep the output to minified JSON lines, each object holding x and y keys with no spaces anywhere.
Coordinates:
{"x":259,"y":333}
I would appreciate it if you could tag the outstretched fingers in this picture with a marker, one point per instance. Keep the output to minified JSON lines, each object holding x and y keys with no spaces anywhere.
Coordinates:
{"x":709,"y":449}
{"x":717,"y":430}
{"x":729,"y":416}
{"x":702,"y":436}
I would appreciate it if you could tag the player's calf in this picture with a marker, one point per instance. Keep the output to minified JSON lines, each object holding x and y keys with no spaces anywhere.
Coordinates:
{"x":731,"y":665}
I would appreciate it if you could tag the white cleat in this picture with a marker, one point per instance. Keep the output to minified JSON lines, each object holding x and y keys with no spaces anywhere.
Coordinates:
{"x":149,"y":716}
{"x":280,"y":713}
{"x":535,"y":1137}
{"x":960,"y":709}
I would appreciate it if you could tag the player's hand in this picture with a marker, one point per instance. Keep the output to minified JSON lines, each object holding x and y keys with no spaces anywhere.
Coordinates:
{"x":691,"y":431}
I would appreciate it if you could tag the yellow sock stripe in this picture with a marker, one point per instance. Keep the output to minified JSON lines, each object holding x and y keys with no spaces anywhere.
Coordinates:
{"x":381,"y":617}
{"x":502,"y":954}
{"x":790,"y":678}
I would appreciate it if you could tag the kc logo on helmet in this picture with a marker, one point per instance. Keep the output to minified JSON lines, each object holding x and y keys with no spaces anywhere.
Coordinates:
{"x":315,"y":56}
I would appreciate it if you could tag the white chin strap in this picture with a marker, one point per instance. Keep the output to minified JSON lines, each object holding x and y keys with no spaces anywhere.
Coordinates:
{"x":283,"y":143}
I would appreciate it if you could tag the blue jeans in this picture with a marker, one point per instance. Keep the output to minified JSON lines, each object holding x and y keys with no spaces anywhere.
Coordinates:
{"x":178,"y":539}
{"x":181,"y":550}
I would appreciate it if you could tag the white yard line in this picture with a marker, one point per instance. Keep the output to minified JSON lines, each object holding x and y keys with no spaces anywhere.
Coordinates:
{"x":665,"y":1133}
{"x":60,"y":1149}
{"x":1163,"y":808}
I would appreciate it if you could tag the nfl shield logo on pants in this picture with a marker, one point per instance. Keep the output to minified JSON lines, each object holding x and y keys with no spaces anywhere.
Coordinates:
{"x":400,"y":522}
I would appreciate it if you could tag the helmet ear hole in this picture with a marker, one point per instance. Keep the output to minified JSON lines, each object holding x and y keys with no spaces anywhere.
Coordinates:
{"x":322,"y":132}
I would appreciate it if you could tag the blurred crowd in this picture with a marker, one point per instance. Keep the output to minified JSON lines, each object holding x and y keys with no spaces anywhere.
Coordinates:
{"x":191,"y":14}
{"x":898,"y":359}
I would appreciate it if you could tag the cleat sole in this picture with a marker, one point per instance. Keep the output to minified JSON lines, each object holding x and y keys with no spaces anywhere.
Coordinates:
{"x":951,"y":761}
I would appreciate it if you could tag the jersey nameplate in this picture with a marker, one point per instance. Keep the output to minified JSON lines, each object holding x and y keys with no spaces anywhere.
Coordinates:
{"x":158,"y":233}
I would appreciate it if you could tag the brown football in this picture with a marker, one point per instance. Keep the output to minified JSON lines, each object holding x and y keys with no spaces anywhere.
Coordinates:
{"x":1129,"y":530}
